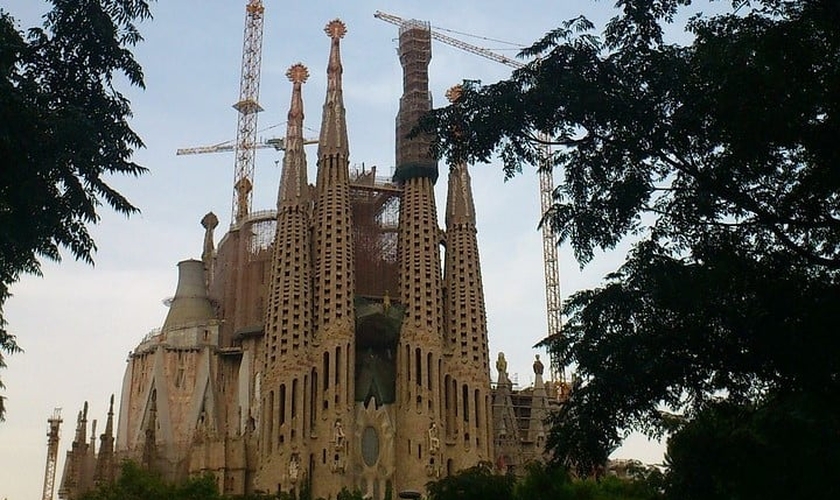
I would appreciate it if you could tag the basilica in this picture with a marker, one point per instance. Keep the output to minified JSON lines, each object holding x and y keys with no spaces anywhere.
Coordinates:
{"x":339,"y":341}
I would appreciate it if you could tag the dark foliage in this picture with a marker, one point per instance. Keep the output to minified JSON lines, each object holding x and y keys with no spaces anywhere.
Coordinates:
{"x":135,"y":483}
{"x":786,"y":447}
{"x":717,"y":158}
{"x":63,"y":130}
{"x":478,"y":483}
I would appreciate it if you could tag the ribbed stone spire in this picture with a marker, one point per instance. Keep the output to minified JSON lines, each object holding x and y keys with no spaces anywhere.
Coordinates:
{"x":294,"y":188}
{"x":288,"y":319}
{"x":334,"y":275}
{"x":333,"y":125}
{"x":465,"y":310}
{"x":105,"y":460}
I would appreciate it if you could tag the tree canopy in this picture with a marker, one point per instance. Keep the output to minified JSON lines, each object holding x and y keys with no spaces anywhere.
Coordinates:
{"x":135,"y":483}
{"x":63,"y":131}
{"x":716,"y":157}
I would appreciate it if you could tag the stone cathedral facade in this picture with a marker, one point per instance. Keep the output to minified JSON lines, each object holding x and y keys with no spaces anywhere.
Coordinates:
{"x":327,"y":344}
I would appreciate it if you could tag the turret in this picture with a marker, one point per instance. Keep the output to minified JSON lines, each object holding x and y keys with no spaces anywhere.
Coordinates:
{"x":191,"y":304}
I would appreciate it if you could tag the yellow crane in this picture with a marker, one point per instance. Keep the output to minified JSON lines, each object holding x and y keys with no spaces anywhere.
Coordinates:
{"x":52,"y":454}
{"x":552,"y":274}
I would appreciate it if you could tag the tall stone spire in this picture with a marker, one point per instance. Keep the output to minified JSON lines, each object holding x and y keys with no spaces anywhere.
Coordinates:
{"x":465,"y":317}
{"x":420,"y":351}
{"x":77,"y":472}
{"x":333,"y":140}
{"x":465,"y":311}
{"x":334,"y":274}
{"x":105,"y":459}
{"x":288,"y":320}
{"x":331,"y":379}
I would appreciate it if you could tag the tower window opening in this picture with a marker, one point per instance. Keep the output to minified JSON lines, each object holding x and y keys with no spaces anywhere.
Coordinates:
{"x":294,"y":397}
{"x":465,"y":398}
{"x":418,"y":358}
{"x":282,"y":404}
{"x":326,"y":370}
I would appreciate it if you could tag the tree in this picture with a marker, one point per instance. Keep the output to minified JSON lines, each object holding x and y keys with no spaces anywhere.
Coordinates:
{"x":555,"y":483}
{"x":539,"y":482}
{"x":63,"y":130}
{"x":135,"y":483}
{"x":479,"y":482}
{"x":784,"y":448}
{"x":717,"y":157}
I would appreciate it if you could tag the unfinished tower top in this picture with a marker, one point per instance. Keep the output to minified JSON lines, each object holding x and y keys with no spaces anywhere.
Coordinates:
{"x":413,"y":156}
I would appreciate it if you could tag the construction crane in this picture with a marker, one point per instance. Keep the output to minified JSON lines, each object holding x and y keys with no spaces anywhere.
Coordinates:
{"x":52,"y":454}
{"x":552,"y":275}
{"x":278,"y":143}
{"x":248,"y":106}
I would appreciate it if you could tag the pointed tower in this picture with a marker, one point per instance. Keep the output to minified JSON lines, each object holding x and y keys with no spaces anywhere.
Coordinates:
{"x":331,"y":380}
{"x":105,"y":459}
{"x":468,"y":374}
{"x":419,"y":354}
{"x":288,"y":323}
{"x":74,"y":480}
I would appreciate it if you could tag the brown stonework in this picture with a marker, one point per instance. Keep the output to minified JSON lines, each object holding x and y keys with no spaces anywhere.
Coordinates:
{"x":322,"y":346}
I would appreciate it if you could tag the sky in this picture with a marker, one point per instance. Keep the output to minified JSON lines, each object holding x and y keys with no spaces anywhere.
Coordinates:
{"x":78,"y":322}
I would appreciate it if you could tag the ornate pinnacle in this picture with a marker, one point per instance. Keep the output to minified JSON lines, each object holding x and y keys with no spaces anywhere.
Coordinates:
{"x":336,"y":29}
{"x":297,"y":73}
{"x":454,"y":93}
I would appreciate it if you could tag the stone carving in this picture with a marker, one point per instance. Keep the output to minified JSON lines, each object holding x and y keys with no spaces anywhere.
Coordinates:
{"x":339,"y":446}
{"x":339,"y":438}
{"x":538,"y":366}
{"x":294,"y":468}
{"x":501,"y":364}
{"x":434,"y":439}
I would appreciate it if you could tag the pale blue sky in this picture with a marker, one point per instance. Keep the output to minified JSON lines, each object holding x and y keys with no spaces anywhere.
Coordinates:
{"x":78,"y":323}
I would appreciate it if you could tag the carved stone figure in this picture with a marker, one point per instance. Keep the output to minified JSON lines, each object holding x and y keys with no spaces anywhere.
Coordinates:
{"x":538,"y":366}
{"x":434,"y":439}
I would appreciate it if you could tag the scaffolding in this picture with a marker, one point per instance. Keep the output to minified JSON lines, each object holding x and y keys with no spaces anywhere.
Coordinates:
{"x":375,"y":203}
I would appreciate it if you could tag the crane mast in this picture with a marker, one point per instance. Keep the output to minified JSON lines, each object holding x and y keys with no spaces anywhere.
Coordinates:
{"x":248,"y":106}
{"x":52,"y":454}
{"x":552,"y":274}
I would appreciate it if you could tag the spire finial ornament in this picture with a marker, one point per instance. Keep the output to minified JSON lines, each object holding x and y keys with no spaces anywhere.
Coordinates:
{"x":297,"y":73}
{"x":336,"y":29}
{"x":293,"y":185}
